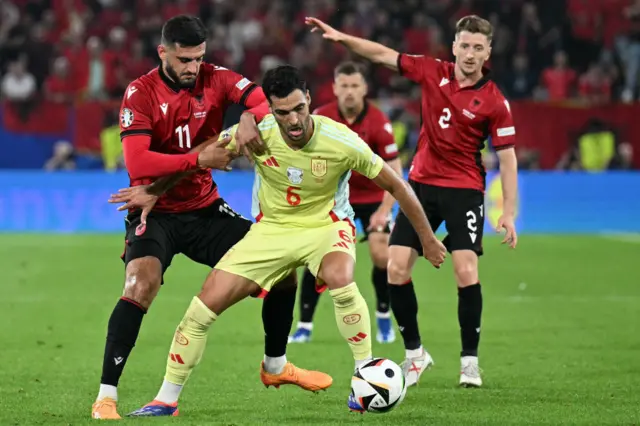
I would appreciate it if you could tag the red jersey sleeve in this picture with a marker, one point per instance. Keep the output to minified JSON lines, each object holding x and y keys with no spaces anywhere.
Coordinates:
{"x":136,"y":128}
{"x":417,"y":67}
{"x":136,"y":117}
{"x":235,"y":87}
{"x":385,"y":142}
{"x":503,"y":132}
{"x":240,"y":90}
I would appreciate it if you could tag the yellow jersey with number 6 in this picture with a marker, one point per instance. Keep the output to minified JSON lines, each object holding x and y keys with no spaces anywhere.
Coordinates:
{"x":308,"y":187}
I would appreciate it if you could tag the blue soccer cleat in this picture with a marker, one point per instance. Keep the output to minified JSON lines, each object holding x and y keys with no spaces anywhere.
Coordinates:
{"x":386,"y":333}
{"x":155,"y":409}
{"x":355,"y":405}
{"x":302,"y":335}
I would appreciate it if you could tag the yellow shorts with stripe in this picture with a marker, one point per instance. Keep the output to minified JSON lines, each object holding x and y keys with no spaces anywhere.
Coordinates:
{"x":269,"y":253}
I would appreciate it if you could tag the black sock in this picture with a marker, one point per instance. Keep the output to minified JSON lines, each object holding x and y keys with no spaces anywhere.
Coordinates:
{"x":469,"y":315}
{"x":404,"y":305}
{"x":277,"y":317}
{"x":308,"y":297}
{"x":379,"y":279}
{"x":122,"y":333}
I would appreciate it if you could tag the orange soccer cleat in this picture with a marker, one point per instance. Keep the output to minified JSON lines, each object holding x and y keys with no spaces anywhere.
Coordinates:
{"x":105,"y":409}
{"x":313,"y":381}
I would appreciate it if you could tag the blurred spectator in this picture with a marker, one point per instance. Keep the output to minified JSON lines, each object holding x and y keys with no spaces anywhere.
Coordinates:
{"x":559,"y":80}
{"x":623,"y":158}
{"x":19,"y":88}
{"x":63,"y":157}
{"x":594,"y":86}
{"x":98,"y":70}
{"x":630,"y":52}
{"x":520,"y":82}
{"x":595,"y":148}
{"x":110,"y":143}
{"x":59,"y":86}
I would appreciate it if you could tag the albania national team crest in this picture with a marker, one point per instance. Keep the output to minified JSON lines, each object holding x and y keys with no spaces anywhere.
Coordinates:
{"x":126,"y":117}
{"x":318,"y":167}
{"x":295,"y":175}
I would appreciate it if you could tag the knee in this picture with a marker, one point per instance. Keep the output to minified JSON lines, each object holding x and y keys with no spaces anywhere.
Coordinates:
{"x":379,"y":250}
{"x":337,"y":276}
{"x":466,"y":274}
{"x":398,"y":271}
{"x":380,"y":258}
{"x":143,"y":280}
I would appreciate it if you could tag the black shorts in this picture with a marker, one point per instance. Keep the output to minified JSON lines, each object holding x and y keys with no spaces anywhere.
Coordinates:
{"x":363,"y":212}
{"x":462,"y":210}
{"x":204,"y":235}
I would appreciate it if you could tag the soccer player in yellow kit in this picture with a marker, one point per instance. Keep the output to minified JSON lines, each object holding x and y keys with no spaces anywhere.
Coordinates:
{"x":301,"y":206}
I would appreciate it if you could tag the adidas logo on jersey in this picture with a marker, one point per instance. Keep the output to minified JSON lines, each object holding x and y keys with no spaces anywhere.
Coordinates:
{"x":271,"y":162}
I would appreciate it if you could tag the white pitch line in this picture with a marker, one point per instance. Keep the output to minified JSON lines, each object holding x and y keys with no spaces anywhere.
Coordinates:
{"x":623,"y":237}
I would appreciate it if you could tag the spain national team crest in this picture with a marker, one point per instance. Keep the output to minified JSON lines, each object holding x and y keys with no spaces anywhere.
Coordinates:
{"x":318,"y":167}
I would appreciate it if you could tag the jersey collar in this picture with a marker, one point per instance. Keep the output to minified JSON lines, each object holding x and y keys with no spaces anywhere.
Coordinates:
{"x":360,"y":116}
{"x":170,"y":83}
{"x":486,"y":77}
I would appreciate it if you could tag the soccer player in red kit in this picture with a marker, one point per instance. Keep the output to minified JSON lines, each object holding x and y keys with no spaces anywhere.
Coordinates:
{"x":372,"y":206}
{"x":167,"y":120}
{"x":461,"y":109}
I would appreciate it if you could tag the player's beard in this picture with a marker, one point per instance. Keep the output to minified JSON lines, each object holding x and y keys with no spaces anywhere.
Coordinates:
{"x":173,"y":75}
{"x":351,"y":106}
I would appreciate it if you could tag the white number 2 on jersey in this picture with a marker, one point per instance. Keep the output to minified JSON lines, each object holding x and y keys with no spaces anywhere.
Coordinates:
{"x":445,"y":118}
{"x":184,"y":137}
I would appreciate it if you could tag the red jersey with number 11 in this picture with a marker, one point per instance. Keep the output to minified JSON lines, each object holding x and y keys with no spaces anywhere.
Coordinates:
{"x":456,"y":122}
{"x":178,"y":120}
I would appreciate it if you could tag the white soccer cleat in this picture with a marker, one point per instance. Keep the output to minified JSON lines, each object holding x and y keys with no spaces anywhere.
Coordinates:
{"x":414,"y":367}
{"x":470,"y":372}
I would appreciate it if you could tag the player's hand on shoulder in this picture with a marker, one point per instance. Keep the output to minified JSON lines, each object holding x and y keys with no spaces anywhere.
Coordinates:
{"x":434,"y":251}
{"x":248,"y":140}
{"x":135,"y":197}
{"x":507,"y":222}
{"x":327,"y":31}
{"x":217,"y":156}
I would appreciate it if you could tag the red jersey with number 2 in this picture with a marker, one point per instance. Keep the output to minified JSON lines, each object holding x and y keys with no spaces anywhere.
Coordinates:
{"x":373,"y":127}
{"x":456,"y":122}
{"x":180,"y":119}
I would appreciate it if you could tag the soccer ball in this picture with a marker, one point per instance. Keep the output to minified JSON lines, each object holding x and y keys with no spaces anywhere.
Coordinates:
{"x":377,"y":387}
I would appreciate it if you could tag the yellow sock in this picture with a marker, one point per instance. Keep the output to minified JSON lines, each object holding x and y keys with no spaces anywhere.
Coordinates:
{"x":189,"y":342}
{"x":354,"y":323}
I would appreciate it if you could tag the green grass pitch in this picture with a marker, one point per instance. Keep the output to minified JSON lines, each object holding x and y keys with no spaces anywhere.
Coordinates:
{"x":560,"y":340}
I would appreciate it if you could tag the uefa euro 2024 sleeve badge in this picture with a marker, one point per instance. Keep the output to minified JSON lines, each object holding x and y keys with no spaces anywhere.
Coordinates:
{"x":126,"y":117}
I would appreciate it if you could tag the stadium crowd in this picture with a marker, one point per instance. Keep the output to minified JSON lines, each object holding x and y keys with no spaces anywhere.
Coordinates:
{"x":577,"y":51}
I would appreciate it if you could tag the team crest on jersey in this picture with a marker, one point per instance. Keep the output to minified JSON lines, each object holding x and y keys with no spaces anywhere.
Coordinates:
{"x":295,"y":175}
{"x":475,"y":104}
{"x":126,"y":117}
{"x":318,"y":167}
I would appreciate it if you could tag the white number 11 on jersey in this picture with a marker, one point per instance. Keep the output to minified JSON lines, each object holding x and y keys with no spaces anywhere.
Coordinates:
{"x":184,"y":137}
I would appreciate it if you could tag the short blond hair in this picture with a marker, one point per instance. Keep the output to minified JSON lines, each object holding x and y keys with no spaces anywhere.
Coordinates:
{"x":475,"y":24}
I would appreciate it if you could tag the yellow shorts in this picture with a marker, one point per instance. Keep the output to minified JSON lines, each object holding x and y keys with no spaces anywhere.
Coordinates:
{"x":268,"y":253}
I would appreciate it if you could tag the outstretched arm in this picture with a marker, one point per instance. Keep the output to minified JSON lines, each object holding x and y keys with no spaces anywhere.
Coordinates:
{"x":375,"y":52}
